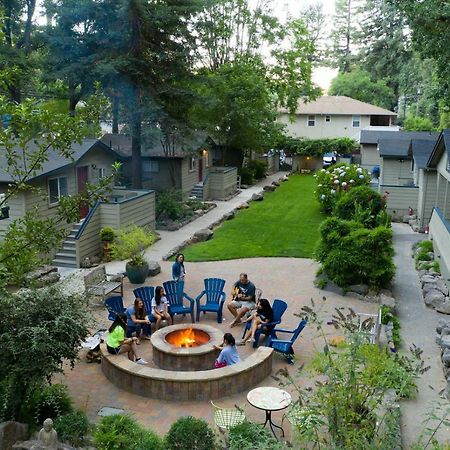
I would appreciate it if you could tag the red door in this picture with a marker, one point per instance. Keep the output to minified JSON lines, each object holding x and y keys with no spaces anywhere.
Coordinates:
{"x":200,"y":169}
{"x":82,"y":178}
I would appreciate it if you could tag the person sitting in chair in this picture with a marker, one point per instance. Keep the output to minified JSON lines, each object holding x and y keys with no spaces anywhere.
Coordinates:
{"x":263,"y":314}
{"x":137,"y":320}
{"x":243,"y":298}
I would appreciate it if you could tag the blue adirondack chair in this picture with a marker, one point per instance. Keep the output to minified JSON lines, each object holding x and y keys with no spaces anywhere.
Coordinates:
{"x":114,"y":305}
{"x":215,"y":298}
{"x":146,"y":293}
{"x":175,"y":294}
{"x":278,"y":307}
{"x":285,"y":346}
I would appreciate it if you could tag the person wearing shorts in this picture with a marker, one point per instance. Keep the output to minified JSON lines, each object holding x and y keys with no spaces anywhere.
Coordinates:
{"x":243,"y":299}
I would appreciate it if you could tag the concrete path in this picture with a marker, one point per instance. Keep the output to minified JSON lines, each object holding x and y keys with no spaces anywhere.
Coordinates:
{"x":418,"y":327}
{"x":170,"y":239}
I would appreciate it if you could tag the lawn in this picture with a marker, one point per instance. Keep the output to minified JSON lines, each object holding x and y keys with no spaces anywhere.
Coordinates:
{"x":285,"y":223}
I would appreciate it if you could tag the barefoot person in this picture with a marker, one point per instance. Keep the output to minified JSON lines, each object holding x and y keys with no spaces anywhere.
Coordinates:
{"x":228,"y":355}
{"x":243,"y":298}
{"x":160,"y":307}
{"x":117,"y":343}
{"x":263,"y":314}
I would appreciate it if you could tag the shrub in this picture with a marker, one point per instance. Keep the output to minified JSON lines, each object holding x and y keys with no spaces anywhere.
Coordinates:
{"x":122,"y":432}
{"x":259,"y":168}
{"x":247,"y":175}
{"x":107,"y":234}
{"x":351,"y":254}
{"x":250,"y":436}
{"x":387,"y":316}
{"x":426,"y":246}
{"x":168,"y":205}
{"x":190,"y":433}
{"x":49,"y":401}
{"x":73,"y":428}
{"x":361,"y":204}
{"x":337,"y":180}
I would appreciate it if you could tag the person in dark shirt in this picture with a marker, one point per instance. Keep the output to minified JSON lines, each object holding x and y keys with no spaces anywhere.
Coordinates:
{"x":242,"y":299}
{"x":263,"y":314}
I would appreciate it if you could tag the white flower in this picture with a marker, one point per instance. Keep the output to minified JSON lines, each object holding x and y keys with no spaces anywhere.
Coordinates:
{"x":319,"y":185}
{"x":333,"y":191}
{"x":322,"y":197}
{"x":361,"y":176}
{"x":342,"y":174}
{"x":336,"y":181}
{"x":352,"y":181}
{"x":344,"y":184}
{"x":359,"y":170}
{"x":323,"y":170}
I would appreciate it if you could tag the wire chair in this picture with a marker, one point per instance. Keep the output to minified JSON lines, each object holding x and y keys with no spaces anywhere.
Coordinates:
{"x":225,"y":418}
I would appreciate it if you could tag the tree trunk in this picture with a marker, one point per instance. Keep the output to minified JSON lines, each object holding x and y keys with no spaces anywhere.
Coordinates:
{"x":115,"y":114}
{"x":136,"y":131}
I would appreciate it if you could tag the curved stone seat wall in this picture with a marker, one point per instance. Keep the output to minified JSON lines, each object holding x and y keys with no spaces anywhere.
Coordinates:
{"x":177,"y":386}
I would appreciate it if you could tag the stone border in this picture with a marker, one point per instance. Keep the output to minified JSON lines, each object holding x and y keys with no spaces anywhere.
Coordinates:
{"x":161,"y":227}
{"x":178,"y":386}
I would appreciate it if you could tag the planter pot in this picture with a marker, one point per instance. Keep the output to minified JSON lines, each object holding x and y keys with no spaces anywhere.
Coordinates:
{"x":136,"y":274}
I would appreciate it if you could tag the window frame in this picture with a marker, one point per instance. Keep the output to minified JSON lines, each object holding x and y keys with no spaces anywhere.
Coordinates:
{"x":58,"y":184}
{"x":358,"y":120}
{"x":101,"y":173}
{"x":327,"y":116}
{"x":192,"y":164}
{"x":309,"y":120}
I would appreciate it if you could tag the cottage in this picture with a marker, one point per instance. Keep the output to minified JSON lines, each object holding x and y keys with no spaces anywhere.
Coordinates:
{"x":335,"y":116}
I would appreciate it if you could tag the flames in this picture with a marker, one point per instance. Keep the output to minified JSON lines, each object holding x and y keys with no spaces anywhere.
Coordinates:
{"x":187,"y":338}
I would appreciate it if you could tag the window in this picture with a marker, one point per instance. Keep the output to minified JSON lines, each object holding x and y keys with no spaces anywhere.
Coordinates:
{"x":192,"y":163}
{"x":311,"y":121}
{"x":356,"y":121}
{"x":327,"y":119}
{"x":149,"y":166}
{"x":57,"y":188}
{"x":101,"y":173}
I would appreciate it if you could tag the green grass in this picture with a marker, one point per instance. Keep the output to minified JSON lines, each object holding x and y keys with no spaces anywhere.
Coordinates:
{"x":285,"y":223}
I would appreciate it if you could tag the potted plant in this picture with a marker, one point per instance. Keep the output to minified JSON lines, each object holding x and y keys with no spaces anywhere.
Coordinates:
{"x":107,"y":237}
{"x":130,"y":244}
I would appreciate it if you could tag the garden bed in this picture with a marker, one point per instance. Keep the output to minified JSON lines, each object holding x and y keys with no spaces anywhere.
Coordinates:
{"x":190,"y":215}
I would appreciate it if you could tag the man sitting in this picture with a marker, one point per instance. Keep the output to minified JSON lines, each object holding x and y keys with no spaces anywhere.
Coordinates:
{"x":243,"y":298}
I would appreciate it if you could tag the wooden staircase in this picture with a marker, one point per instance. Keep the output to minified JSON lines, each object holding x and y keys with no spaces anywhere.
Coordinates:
{"x":67,"y":255}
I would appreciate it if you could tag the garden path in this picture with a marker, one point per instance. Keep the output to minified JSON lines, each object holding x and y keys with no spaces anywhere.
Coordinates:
{"x":418,"y":324}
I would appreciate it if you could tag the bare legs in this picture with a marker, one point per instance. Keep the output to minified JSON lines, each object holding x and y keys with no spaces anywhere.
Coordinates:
{"x":237,"y":313}
{"x":131,"y":349}
{"x":250,"y":334}
{"x":162,"y":316}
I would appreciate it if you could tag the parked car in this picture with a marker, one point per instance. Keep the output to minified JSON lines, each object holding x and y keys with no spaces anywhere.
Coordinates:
{"x":329,"y":159}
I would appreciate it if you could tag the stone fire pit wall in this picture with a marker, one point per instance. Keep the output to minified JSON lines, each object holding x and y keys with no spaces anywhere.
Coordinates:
{"x":180,"y":386}
{"x":167,"y":356}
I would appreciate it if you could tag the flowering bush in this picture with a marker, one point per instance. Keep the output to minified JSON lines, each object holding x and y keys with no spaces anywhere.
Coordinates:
{"x":336,"y":180}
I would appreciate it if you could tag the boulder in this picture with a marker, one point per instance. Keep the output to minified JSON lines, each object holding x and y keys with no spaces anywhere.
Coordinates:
{"x":153,"y":268}
{"x":50,"y":278}
{"x":415,"y":228}
{"x":275,"y":183}
{"x":269,"y":188}
{"x":198,"y":212}
{"x":361,"y":289}
{"x":433,"y":273}
{"x":355,"y":295}
{"x":444,"y":308}
{"x":229,"y":216}
{"x":442,"y":323}
{"x":38,"y":273}
{"x":427,"y":279}
{"x":285,"y":178}
{"x":11,"y":432}
{"x":243,"y":206}
{"x":257,"y":198}
{"x":85,"y":263}
{"x":434,"y":298}
{"x":387,"y":301}
{"x":445,"y":330}
{"x":422,"y":272}
{"x":203,"y":235}
{"x":445,"y":342}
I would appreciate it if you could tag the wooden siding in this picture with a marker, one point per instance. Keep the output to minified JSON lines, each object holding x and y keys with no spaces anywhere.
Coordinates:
{"x":370,"y":156}
{"x":138,"y":210}
{"x":16,"y":210}
{"x":396,"y":172}
{"x":89,"y":244}
{"x":400,"y":199}
{"x":189,"y":178}
{"x":222,"y":183}
{"x":440,"y":234}
{"x":442,"y":167}
{"x":427,"y":195}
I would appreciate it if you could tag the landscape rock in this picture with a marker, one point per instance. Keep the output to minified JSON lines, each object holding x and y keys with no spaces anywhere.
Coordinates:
{"x":243,"y":205}
{"x":438,"y":339}
{"x":434,"y":298}
{"x":433,"y":273}
{"x":445,"y":342}
{"x":269,"y":188}
{"x":85,"y":263}
{"x":203,"y":235}
{"x":387,"y":301}
{"x":257,"y":197}
{"x":362,"y":289}
{"x":285,"y":178}
{"x":229,"y":216}
{"x":38,"y":273}
{"x":422,"y":272}
{"x":153,"y":268}
{"x":445,"y":330}
{"x":355,"y":295}
{"x":427,"y":279}
{"x":441,"y":324}
{"x":11,"y":432}
{"x":446,"y":357}
{"x":444,"y":309}
{"x":48,"y":279}
{"x":275,"y":183}
{"x":415,"y":228}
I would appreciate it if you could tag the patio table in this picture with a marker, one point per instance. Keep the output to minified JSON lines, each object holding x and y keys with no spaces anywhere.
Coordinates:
{"x":269,"y":399}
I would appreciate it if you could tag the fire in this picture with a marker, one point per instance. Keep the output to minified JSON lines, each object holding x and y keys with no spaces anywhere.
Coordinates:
{"x":187,"y":338}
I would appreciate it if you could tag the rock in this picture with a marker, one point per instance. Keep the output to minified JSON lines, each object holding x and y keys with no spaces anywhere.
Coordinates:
{"x":352,"y":294}
{"x":85,"y":263}
{"x":269,"y":188}
{"x":275,"y":183}
{"x":407,"y":218}
{"x":285,"y":178}
{"x":444,"y":309}
{"x":173,"y":226}
{"x":50,"y":278}
{"x":422,"y":272}
{"x":427,"y":287}
{"x":11,"y":432}
{"x":257,"y":198}
{"x":434,"y":298}
{"x":431,"y":256}
{"x":244,"y":186}
{"x":362,"y":289}
{"x":153,"y":268}
{"x":441,"y":324}
{"x":438,"y":339}
{"x":445,"y":330}
{"x":387,"y":301}
{"x":243,"y":206}
{"x":95,"y":260}
{"x":386,"y":292}
{"x":412,"y":222}
{"x":38,"y":273}
{"x":445,"y":342}
{"x":203,"y":235}
{"x":427,"y":279}
{"x":433,"y":273}
{"x":199,"y":212}
{"x":229,"y":216}
{"x":438,"y":285}
{"x":415,"y":228}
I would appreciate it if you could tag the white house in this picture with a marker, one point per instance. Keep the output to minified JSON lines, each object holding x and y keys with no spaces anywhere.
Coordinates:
{"x":333,"y":117}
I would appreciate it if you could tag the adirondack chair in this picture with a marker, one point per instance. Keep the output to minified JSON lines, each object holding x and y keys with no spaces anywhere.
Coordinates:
{"x":215,"y":298}
{"x":285,"y":346}
{"x":114,"y":305}
{"x":146,"y":293}
{"x":278,"y":307}
{"x":175,"y":294}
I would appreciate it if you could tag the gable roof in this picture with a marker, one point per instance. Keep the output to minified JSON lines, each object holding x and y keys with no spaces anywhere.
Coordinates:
{"x":55,"y":161}
{"x":339,"y":105}
{"x":373,"y":136}
{"x":421,"y":151}
{"x":442,"y":145}
{"x":121,"y":143}
{"x":392,"y":148}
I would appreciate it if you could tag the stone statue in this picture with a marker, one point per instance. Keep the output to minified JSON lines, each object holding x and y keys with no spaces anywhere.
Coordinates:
{"x":48,"y":437}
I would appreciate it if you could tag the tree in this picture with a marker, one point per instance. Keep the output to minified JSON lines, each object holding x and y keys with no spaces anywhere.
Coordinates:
{"x":315,"y":21}
{"x":415,"y":123}
{"x":357,"y":84}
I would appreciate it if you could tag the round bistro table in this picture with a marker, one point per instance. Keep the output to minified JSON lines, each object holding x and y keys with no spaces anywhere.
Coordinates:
{"x":269,"y":399}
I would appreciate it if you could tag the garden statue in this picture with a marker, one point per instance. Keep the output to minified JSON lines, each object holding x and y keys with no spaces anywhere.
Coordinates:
{"x":48,"y":437}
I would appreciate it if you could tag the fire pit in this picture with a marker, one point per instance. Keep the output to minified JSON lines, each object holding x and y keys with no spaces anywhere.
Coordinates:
{"x":186,"y":347}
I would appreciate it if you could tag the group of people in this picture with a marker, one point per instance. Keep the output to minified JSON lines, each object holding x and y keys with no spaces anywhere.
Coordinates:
{"x":243,"y":305}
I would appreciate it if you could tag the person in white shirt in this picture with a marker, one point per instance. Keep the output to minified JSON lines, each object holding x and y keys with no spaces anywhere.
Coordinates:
{"x":160,"y":307}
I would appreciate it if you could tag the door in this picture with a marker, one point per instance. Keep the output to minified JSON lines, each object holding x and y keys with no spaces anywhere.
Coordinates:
{"x":82,"y":179}
{"x":200,"y":169}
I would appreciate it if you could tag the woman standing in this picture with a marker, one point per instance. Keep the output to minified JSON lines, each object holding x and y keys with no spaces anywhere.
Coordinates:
{"x":178,"y":270}
{"x":117,"y":343}
{"x":263,"y":314}
{"x":160,"y":307}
